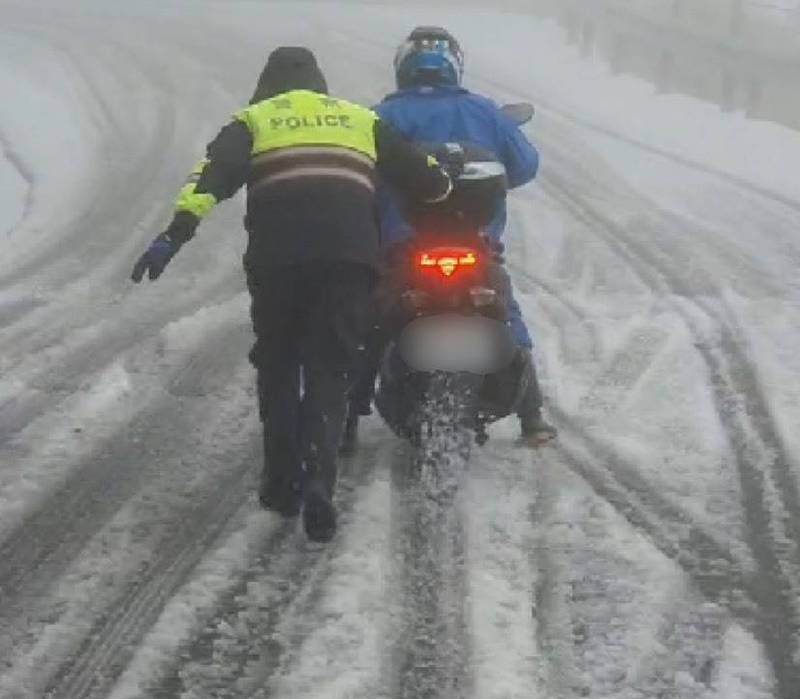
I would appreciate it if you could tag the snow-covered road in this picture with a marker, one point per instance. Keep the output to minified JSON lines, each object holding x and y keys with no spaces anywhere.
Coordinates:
{"x":654,"y":552}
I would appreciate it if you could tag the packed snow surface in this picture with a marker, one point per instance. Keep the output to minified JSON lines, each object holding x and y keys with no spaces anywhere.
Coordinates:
{"x":652,"y":552}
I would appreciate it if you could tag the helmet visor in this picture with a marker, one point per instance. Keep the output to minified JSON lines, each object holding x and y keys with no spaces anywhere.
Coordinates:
{"x":439,"y":46}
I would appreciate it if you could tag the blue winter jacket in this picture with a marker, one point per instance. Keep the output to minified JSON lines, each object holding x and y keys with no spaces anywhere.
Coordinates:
{"x":442,"y":114}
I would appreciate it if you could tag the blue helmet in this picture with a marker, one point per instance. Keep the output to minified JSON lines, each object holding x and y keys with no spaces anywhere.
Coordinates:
{"x":429,"y":56}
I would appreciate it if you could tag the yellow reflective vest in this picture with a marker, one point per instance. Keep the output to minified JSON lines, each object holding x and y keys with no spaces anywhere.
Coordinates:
{"x":340,"y":135}
{"x":304,"y":118}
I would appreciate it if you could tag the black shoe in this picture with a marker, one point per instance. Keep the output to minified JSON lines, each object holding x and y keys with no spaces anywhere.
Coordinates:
{"x":284,"y":501}
{"x":361,"y":407}
{"x":481,"y":435}
{"x":319,"y":514}
{"x":536,"y":431}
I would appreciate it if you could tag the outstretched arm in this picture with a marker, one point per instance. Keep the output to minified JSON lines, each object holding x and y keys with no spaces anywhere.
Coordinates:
{"x":218,"y":177}
{"x":215,"y":178}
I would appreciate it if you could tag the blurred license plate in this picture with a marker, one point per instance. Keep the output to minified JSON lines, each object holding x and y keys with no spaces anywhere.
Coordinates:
{"x":454,"y":343}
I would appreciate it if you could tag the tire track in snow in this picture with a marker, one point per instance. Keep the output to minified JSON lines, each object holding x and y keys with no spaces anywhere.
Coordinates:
{"x":15,"y":308}
{"x":111,"y":643}
{"x":557,"y":639}
{"x":744,"y":380}
{"x":38,"y":553}
{"x":584,"y":347}
{"x":47,"y":387}
{"x":130,"y":190}
{"x":775,"y":593}
{"x":111,"y":209}
{"x":775,"y":586}
{"x":740,"y":399}
{"x":739,"y":387}
{"x":690,"y":641}
{"x":713,"y":567}
{"x":504,"y":570}
{"x":11,"y":157}
{"x":554,"y":625}
{"x":263,"y":619}
{"x":651,"y":631}
{"x":306,"y":619}
{"x":627,"y":367}
{"x":431,"y":651}
{"x":51,"y":537}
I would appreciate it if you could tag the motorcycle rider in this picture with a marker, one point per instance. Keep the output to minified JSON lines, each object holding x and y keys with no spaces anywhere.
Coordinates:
{"x":310,"y":162}
{"x":430,"y":105}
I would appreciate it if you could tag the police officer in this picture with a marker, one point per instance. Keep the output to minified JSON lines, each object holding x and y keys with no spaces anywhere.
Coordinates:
{"x":310,"y":162}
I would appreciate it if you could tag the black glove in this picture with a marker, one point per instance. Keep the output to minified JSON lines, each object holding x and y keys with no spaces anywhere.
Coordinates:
{"x":497,"y":248}
{"x":451,"y":158}
{"x":164,"y":247}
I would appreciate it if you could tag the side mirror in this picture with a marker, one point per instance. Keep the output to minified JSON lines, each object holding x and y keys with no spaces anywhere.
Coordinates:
{"x":520,"y":112}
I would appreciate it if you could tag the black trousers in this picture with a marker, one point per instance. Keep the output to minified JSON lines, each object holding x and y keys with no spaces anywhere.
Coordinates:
{"x":310,"y":322}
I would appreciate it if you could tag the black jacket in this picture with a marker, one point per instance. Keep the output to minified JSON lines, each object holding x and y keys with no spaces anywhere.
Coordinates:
{"x":315,"y":218}
{"x":309,"y":218}
{"x":326,"y":216}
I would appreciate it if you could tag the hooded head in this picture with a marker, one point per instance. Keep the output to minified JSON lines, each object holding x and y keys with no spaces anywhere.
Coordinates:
{"x":289,"y":68}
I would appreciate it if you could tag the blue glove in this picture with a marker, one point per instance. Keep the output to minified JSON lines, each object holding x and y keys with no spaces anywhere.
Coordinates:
{"x":155,"y":259}
{"x":164,"y":247}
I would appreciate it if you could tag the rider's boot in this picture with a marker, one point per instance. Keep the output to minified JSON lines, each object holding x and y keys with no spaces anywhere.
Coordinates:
{"x":535,"y":430}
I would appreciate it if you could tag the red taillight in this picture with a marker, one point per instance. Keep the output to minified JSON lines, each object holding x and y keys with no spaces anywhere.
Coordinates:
{"x":447,"y":260}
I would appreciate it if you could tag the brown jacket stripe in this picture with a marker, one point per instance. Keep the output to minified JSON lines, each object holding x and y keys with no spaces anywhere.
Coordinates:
{"x":316,"y":161}
{"x":295,"y":173}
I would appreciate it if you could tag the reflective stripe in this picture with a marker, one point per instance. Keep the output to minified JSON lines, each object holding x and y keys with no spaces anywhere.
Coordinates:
{"x":297,"y":152}
{"x":197,"y":171}
{"x":197,"y":204}
{"x":482,"y":170}
{"x":312,"y":161}
{"x":191,"y":202}
{"x":293,"y":173}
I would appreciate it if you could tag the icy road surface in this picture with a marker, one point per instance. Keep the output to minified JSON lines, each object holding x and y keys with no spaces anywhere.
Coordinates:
{"x":653,"y":553}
